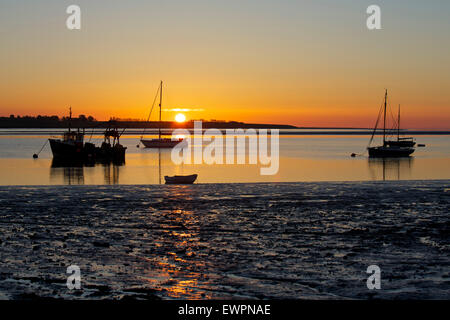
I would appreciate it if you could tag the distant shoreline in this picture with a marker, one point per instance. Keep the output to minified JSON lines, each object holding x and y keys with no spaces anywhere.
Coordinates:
{"x":135,"y":126}
{"x":34,"y":123}
{"x":167,"y":131}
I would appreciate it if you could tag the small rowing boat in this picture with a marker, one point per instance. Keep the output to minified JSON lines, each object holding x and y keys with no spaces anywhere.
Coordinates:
{"x":181,"y":179}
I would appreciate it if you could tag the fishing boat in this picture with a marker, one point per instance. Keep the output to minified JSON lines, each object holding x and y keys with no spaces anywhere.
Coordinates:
{"x":181,"y":179}
{"x":159,"y":142}
{"x":72,"y":148}
{"x":389,"y":149}
{"x":111,"y":149}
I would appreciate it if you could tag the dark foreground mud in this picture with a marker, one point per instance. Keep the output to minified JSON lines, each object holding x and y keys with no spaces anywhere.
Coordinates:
{"x":291,"y":240}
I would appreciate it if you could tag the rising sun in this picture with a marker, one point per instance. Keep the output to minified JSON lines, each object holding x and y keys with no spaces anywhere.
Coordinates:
{"x":180,"y":117}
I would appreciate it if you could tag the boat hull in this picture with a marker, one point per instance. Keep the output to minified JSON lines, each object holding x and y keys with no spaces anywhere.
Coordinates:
{"x":389,"y":152}
{"x":64,"y":150}
{"x":181,"y":179}
{"x":110,"y":153}
{"x":401,"y":143}
{"x":160,"y":143}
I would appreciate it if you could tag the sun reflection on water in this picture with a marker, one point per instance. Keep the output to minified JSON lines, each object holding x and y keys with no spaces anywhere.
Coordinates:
{"x":177,"y":272}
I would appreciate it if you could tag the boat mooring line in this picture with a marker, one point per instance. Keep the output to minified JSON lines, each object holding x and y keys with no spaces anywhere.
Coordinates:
{"x":35,"y":156}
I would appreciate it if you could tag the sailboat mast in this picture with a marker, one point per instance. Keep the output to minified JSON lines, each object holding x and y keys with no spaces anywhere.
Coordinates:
{"x":160,"y":106}
{"x":384,"y":122}
{"x":70,"y":118}
{"x":398,"y":129}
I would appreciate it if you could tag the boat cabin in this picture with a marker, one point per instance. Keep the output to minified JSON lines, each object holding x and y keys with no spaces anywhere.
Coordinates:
{"x":73,"y":136}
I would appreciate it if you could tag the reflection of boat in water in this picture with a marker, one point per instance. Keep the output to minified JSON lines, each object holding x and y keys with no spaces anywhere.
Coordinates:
{"x":402,"y":147}
{"x":390,"y":168}
{"x":159,"y":142}
{"x":111,"y":173}
{"x":72,"y":172}
{"x":72,"y":163}
{"x":73,"y":148}
{"x":181,"y":179}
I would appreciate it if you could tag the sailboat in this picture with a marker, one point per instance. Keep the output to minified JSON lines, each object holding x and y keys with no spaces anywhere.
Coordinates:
{"x":388,"y":149}
{"x":401,"y":141}
{"x":160,"y":142}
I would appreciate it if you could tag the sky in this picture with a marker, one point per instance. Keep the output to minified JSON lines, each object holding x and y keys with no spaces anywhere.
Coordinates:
{"x":305,"y":63}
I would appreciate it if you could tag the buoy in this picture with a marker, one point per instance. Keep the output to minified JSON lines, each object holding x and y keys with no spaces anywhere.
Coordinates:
{"x":35,"y":156}
{"x":353,"y":155}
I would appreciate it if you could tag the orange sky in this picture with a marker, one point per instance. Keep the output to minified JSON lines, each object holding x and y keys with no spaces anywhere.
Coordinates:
{"x":265,"y":62}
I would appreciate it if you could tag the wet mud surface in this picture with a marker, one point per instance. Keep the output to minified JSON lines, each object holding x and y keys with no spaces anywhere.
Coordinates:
{"x":229,"y":241}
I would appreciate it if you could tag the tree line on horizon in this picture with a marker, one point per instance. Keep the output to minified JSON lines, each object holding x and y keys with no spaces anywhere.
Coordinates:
{"x":83,"y":121}
{"x":81,"y":117}
{"x":84,"y":118}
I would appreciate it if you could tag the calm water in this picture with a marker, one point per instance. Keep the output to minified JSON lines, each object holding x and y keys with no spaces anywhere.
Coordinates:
{"x":302,"y":158}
